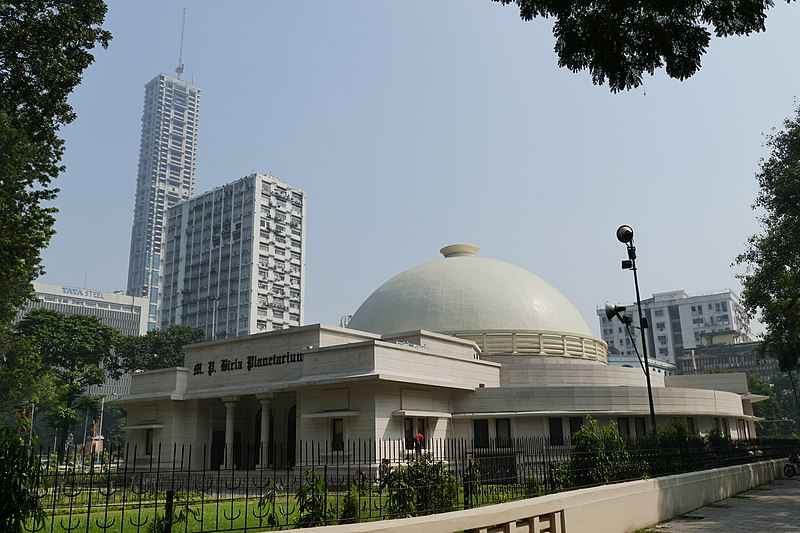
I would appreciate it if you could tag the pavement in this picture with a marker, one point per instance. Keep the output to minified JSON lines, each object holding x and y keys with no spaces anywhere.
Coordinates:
{"x":772,"y":507}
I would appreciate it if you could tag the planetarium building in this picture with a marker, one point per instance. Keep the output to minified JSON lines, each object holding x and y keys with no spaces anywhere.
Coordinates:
{"x":460,"y":347}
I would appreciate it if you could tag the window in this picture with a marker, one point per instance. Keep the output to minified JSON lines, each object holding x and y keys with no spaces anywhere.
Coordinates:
{"x":575,"y":423}
{"x":659,"y":312}
{"x":660,"y":325}
{"x":413,"y":427}
{"x":690,"y":425}
{"x":638,"y":422}
{"x":337,"y":434}
{"x":623,"y":427}
{"x":556,"y":432}
{"x":725,"y":430}
{"x":503,"y":428}
{"x":148,"y":442}
{"x":480,"y":428}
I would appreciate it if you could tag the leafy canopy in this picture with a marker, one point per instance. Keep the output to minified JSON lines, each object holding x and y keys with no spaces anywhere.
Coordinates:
{"x":157,"y":349}
{"x":45,"y":45}
{"x":772,"y":278}
{"x":79,"y":351}
{"x":618,"y":41}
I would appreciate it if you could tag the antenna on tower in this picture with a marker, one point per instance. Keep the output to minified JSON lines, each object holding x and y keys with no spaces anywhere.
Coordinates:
{"x":179,"y":68}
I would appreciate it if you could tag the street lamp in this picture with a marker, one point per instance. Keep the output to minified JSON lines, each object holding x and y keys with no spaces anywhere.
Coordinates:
{"x":625,"y":236}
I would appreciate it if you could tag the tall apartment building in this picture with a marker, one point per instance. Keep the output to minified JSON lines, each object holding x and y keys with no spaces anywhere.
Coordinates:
{"x":678,"y":322}
{"x":235,"y":259}
{"x":166,"y":176}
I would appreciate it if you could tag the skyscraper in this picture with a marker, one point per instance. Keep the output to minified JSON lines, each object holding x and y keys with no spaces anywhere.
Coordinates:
{"x":167,"y":156}
{"x":234,"y":261}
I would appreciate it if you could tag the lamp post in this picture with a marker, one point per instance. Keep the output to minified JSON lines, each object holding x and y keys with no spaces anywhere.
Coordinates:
{"x":625,"y":236}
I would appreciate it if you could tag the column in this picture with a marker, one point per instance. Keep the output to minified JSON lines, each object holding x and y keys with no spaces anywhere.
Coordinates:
{"x":230,"y":414}
{"x":266,"y":404}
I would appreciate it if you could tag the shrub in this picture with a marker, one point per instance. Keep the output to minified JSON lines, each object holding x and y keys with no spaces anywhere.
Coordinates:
{"x":350,"y":511}
{"x":424,"y":486}
{"x":312,"y":499}
{"x":532,"y":487}
{"x":601,"y":456}
{"x":20,"y":468}
{"x":561,"y":476}
{"x":672,"y":449}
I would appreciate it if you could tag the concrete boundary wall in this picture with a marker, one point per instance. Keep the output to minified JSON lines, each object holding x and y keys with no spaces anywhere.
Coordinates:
{"x":620,"y":507}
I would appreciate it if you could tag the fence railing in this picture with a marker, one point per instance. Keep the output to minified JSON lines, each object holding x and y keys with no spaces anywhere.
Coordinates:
{"x":175,"y":491}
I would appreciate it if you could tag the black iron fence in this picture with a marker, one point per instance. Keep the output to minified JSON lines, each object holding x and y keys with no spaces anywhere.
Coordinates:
{"x":176,"y":490}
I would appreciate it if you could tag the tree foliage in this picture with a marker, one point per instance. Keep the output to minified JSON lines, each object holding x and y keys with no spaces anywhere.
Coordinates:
{"x":78,"y":350}
{"x":778,"y":413}
{"x":619,"y":41}
{"x":157,"y":349}
{"x":23,"y":379}
{"x":772,"y":278}
{"x":44,"y":48}
{"x":601,"y":456}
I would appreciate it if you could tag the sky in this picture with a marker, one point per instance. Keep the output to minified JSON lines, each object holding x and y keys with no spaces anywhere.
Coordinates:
{"x":413,"y":125}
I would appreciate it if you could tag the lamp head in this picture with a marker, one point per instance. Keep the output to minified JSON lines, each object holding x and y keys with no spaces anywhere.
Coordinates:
{"x":614,"y":310}
{"x":625,"y":234}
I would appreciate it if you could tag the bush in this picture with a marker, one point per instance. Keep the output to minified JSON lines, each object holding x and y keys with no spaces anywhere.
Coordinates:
{"x":312,"y":499}
{"x":561,"y":476}
{"x":350,"y":511}
{"x":601,"y":456}
{"x":423,"y":487}
{"x":532,"y":487}
{"x":20,"y":469}
{"x":672,"y":449}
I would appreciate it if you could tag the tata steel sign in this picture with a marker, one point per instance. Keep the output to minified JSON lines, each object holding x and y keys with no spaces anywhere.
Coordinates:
{"x":72,"y":291}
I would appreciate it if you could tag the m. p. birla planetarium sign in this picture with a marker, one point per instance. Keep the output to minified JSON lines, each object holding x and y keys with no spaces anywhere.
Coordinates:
{"x":248,"y":363}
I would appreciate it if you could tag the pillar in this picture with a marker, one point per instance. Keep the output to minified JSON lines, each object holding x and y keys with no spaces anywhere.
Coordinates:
{"x":266,"y":404}
{"x":230,"y":415}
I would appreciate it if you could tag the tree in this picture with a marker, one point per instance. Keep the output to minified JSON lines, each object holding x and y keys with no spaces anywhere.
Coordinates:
{"x":619,"y":41}
{"x":79,"y":351}
{"x":157,"y":349}
{"x":771,"y":282}
{"x":778,"y":413}
{"x":44,"y":48}
{"x":23,"y":379}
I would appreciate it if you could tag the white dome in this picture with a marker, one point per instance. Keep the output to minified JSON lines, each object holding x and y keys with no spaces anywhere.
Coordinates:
{"x":463,"y":293}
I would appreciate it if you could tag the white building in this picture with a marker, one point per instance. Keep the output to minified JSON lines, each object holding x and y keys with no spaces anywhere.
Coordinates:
{"x":677,"y":322}
{"x":234,"y":260}
{"x":127,"y":314}
{"x":460,"y":347}
{"x":166,"y":176}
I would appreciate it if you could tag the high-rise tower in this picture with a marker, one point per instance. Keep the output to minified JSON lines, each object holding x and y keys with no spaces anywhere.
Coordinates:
{"x":167,"y":156}
{"x":234,"y":261}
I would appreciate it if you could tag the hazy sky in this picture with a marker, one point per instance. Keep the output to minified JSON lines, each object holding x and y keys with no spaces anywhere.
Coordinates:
{"x":417,"y":124}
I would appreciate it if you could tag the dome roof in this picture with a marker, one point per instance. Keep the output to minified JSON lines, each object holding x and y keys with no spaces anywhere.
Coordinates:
{"x":464,"y":293}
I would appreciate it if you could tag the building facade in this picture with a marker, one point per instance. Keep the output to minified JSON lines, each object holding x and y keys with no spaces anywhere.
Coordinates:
{"x":462,"y":347}
{"x":167,"y":161}
{"x":677,"y":322}
{"x":234,"y":260}
{"x":739,"y":357}
{"x":127,"y":314}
